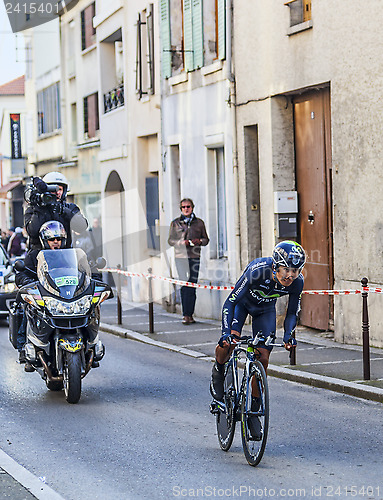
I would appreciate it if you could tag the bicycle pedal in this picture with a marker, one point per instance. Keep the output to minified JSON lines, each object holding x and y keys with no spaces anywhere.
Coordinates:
{"x":214,"y":408}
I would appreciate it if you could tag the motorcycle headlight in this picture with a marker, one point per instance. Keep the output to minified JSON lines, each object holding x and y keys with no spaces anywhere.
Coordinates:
{"x":77,"y":308}
{"x":8,"y":287}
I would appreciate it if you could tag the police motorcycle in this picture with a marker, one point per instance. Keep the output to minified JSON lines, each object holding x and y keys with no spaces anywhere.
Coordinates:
{"x":63,"y":316}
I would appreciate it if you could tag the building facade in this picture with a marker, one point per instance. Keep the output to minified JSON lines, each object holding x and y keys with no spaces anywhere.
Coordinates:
{"x":308,"y":121}
{"x":197,"y":127}
{"x":13,"y":152}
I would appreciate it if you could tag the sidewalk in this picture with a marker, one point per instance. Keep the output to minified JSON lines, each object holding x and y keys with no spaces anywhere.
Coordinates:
{"x":320,"y":361}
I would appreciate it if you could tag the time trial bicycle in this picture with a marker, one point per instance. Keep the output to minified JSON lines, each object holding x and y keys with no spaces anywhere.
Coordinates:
{"x":236,"y":404}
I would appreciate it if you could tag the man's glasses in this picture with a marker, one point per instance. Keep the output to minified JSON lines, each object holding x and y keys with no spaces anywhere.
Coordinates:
{"x":186,"y":206}
{"x":54,"y":239}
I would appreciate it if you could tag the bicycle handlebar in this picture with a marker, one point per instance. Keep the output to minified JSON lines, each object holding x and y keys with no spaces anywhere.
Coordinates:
{"x":257,"y":341}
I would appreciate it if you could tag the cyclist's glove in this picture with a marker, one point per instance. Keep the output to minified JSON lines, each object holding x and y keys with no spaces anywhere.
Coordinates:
{"x":228,"y":337}
{"x":289,"y":339}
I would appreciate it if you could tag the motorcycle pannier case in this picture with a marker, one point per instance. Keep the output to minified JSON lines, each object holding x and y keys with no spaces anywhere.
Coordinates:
{"x":15,"y":319}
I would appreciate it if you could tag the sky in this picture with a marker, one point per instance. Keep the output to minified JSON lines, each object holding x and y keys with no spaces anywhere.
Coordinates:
{"x":12,"y":55}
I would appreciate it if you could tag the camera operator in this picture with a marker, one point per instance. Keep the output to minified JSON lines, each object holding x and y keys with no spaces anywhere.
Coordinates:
{"x":46,"y":203}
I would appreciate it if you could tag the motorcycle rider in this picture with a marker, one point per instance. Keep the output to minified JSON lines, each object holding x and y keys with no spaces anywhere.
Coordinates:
{"x":59,"y":210}
{"x":52,"y":236}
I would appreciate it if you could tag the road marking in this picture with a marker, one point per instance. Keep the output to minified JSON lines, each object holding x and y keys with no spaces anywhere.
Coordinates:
{"x":199,"y":345}
{"x":337,"y":362}
{"x":185,"y":330}
{"x":301,"y":349}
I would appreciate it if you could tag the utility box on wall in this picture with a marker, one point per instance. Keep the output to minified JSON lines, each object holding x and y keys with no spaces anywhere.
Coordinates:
{"x":286,"y":209}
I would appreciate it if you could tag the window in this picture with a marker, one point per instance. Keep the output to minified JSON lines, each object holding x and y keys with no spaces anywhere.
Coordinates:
{"x":145,"y":53}
{"x":300,"y":11}
{"x":48,"y":110}
{"x":193,"y":33}
{"x":217,"y":199}
{"x":73,"y":116}
{"x":91,"y":116}
{"x":87,"y":30}
{"x":70,"y":55}
{"x":152,"y":212}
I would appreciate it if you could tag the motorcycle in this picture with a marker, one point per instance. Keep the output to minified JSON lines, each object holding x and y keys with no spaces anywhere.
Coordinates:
{"x":63,"y":316}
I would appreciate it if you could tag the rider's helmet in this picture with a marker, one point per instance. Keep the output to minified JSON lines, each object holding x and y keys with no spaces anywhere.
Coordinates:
{"x":52,"y":229}
{"x":289,"y":254}
{"x":57,"y":178}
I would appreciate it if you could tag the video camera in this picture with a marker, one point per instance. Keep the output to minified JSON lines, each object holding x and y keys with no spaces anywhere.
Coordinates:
{"x":40,"y":193}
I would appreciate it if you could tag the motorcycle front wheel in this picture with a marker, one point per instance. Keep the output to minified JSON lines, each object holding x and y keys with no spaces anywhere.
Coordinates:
{"x":72,"y":376}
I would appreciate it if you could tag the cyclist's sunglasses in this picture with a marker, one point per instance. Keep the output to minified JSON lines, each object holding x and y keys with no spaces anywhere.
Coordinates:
{"x":55,"y":239}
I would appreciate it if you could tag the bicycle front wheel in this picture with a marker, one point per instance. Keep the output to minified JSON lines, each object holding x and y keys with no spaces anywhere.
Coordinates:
{"x":254,"y":446}
{"x":226,"y":416}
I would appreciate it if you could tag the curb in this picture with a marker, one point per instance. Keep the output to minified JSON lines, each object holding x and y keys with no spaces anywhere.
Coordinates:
{"x":320,"y":381}
{"x":330,"y":383}
{"x":29,"y":481}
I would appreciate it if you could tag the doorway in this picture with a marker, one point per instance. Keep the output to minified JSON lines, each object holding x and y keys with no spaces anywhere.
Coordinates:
{"x":312,"y":132}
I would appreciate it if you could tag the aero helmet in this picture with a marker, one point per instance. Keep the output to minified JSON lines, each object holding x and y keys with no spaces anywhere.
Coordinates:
{"x":289,"y":254}
{"x":57,"y":178}
{"x":52,"y":229}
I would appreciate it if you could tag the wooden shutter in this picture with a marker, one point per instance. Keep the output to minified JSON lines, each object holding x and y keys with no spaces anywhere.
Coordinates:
{"x":89,"y":14}
{"x":306,"y":10}
{"x":221,"y":20}
{"x":188,"y":35}
{"x":197,"y":34}
{"x":139,"y":59}
{"x":166,"y":58}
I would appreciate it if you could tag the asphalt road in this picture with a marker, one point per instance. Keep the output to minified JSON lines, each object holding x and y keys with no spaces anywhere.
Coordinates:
{"x":142,"y":430}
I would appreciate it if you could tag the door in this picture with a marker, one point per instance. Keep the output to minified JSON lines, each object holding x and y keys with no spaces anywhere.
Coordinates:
{"x":313,"y":175}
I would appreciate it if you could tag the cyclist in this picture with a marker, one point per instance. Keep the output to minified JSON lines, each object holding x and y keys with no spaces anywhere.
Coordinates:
{"x":256,"y":292}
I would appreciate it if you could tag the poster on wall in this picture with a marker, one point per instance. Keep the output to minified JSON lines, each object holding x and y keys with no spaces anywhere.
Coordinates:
{"x":15,"y":136}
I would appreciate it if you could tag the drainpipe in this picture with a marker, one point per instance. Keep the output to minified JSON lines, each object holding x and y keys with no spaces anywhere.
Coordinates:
{"x":232,"y":103}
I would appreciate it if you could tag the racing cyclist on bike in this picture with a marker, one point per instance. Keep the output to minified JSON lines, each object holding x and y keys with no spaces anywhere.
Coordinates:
{"x":256,"y":292}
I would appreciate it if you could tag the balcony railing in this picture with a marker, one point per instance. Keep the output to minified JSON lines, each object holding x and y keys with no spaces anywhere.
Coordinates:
{"x":114,"y":99}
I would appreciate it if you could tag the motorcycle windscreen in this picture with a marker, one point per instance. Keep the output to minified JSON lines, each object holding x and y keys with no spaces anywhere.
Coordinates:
{"x":64,"y":273}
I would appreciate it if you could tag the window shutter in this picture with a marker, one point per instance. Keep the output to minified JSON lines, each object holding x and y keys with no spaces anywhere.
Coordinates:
{"x":139,"y":59}
{"x":150,"y":35}
{"x":166,"y":56}
{"x":197,"y":34}
{"x":221,"y":29}
{"x":188,"y":35}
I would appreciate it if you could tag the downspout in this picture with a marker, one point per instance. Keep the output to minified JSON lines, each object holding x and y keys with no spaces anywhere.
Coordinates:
{"x":232,"y":104}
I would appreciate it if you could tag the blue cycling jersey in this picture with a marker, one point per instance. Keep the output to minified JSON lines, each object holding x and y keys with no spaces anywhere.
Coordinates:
{"x":257,"y":291}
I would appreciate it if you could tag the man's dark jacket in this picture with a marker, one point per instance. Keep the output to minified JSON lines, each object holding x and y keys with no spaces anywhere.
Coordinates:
{"x":69,"y":215}
{"x":181,"y":231}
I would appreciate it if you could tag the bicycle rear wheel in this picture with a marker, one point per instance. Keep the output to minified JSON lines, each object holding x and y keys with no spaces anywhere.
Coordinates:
{"x":226,"y":416}
{"x":254,"y":449}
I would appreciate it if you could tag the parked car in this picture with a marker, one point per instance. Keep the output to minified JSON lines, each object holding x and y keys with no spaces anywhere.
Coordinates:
{"x":7,"y":283}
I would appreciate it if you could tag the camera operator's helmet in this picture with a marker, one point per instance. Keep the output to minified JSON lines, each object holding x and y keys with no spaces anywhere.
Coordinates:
{"x":57,"y":178}
{"x":52,"y":229}
{"x":289,"y":254}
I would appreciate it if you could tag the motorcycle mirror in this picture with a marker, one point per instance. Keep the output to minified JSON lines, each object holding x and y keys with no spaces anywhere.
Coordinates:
{"x":19,"y":266}
{"x":100,"y":263}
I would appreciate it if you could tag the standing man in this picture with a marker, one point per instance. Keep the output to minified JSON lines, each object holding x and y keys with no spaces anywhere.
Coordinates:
{"x":187,"y":235}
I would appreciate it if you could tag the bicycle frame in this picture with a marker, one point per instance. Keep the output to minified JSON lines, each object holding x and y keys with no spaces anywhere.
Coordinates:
{"x":238,"y":399}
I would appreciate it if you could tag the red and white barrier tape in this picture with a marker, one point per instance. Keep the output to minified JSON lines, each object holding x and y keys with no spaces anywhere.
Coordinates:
{"x":214,"y":287}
